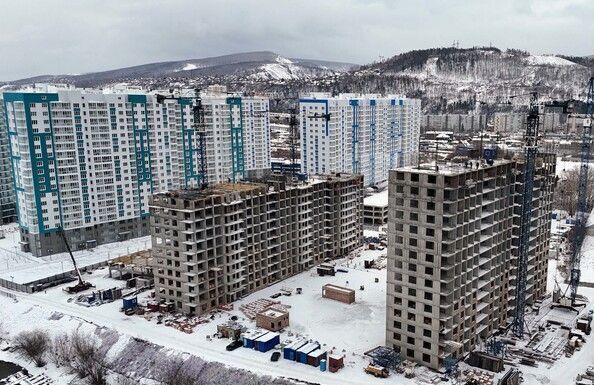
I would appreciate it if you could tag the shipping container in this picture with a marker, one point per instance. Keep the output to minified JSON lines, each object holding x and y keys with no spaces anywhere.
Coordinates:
{"x":289,"y":351}
{"x":250,"y":336}
{"x":267,"y":342}
{"x":301,"y":354}
{"x":314,"y":358}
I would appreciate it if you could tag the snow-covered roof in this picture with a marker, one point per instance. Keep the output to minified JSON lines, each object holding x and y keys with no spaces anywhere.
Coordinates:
{"x":309,"y":347}
{"x":377,"y":200}
{"x":317,"y":353}
{"x":267,"y":337}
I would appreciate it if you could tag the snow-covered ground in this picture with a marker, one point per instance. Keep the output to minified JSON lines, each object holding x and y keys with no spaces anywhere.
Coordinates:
{"x":22,"y":267}
{"x":549,"y":60}
{"x":566,"y":165}
{"x":353,"y":328}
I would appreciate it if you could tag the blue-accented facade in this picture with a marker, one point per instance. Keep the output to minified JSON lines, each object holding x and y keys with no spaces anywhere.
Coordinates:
{"x":43,"y":162}
{"x":237,"y":149}
{"x":141,"y":149}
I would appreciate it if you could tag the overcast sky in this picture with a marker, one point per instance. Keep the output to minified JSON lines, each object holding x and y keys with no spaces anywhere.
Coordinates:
{"x":77,"y":36}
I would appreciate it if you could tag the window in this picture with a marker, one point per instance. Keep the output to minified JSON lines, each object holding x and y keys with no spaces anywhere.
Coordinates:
{"x":412,"y":304}
{"x":429,"y":296}
{"x":426,"y":358}
{"x":410,"y":328}
{"x":410,"y":340}
{"x":410,"y":353}
{"x":432,"y":179}
{"x":414,"y":177}
{"x":431,"y":192}
{"x":427,"y":333}
{"x":428,"y":309}
{"x":426,"y":345}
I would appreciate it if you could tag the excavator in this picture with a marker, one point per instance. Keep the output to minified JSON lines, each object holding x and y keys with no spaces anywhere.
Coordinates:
{"x":81,"y":285}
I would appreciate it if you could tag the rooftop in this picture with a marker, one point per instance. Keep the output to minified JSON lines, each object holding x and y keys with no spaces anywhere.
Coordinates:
{"x":377,"y":200}
{"x":452,"y":169}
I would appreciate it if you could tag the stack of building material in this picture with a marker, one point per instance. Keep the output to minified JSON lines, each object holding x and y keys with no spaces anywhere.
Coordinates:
{"x":480,"y":377}
{"x":251,"y":309}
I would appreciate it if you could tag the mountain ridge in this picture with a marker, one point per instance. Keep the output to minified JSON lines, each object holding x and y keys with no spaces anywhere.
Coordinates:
{"x":237,"y":63}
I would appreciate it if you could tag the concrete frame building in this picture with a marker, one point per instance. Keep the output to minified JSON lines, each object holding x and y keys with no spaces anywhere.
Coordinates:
{"x":7,"y":198}
{"x":213,"y":246}
{"x":364,"y":134}
{"x":87,"y":160}
{"x":452,"y":254}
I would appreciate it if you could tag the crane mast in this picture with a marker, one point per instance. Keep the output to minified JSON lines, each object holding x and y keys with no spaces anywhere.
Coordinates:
{"x":530,"y":152}
{"x":582,"y":204}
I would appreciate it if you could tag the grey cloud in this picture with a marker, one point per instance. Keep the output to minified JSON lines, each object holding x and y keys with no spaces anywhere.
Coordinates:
{"x":60,"y":36}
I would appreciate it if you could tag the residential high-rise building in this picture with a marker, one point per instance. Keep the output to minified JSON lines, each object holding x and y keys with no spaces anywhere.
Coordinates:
{"x":214,"y":246}
{"x":452,"y":254}
{"x":7,"y":200}
{"x":363,"y":134}
{"x":87,"y":160}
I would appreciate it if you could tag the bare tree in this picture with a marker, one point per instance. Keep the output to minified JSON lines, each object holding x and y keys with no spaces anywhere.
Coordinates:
{"x":566,"y":193}
{"x":87,"y":360}
{"x":33,"y":345}
{"x":61,"y":352}
{"x":174,"y":371}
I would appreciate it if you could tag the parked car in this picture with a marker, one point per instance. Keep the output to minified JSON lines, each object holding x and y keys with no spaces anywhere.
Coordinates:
{"x":234,"y":345}
{"x":275,"y":356}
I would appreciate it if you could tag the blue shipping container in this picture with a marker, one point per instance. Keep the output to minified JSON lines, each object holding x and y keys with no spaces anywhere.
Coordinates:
{"x":289,"y":350}
{"x":267,"y":342}
{"x":304,"y":351}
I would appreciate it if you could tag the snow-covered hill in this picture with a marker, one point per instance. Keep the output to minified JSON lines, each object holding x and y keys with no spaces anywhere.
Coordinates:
{"x":259,"y":66}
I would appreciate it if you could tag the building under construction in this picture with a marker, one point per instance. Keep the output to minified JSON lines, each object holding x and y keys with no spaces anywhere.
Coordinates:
{"x":452,"y":253}
{"x":214,"y":246}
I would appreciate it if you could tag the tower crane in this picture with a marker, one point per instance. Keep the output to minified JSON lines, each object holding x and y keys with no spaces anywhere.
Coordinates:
{"x":199,"y":128}
{"x":582,"y":203}
{"x":530,"y":151}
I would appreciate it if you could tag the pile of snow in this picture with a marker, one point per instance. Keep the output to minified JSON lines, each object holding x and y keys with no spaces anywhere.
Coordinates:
{"x":548,"y":60}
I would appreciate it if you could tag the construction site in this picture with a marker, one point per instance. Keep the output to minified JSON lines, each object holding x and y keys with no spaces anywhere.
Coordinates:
{"x":278,"y":276}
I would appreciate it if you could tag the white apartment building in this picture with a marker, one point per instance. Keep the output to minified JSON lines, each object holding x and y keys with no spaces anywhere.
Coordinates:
{"x":87,"y":160}
{"x":7,"y":200}
{"x":366,"y":134}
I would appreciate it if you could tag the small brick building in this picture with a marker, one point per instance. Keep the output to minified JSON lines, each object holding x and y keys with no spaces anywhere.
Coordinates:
{"x":272,"y":319}
{"x":338,"y":293}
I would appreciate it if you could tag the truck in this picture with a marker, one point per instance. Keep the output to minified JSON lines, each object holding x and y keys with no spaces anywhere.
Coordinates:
{"x":377,"y":371}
